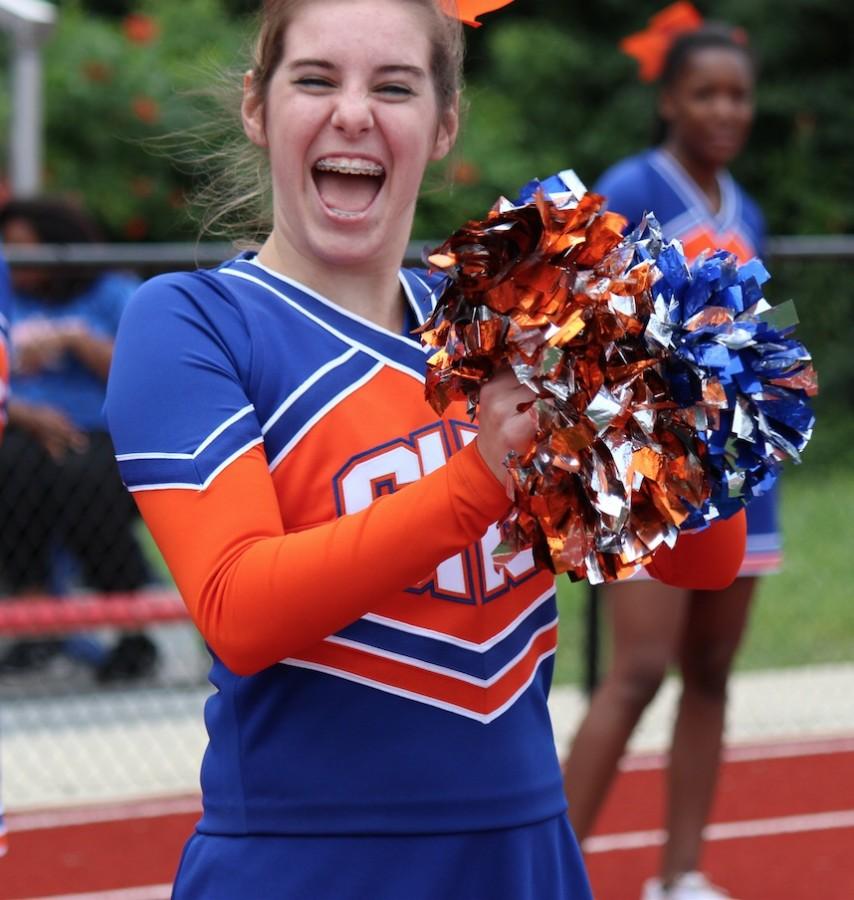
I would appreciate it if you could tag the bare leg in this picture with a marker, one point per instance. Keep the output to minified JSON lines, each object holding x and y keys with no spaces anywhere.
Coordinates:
{"x":647,"y":620}
{"x":713,"y":632}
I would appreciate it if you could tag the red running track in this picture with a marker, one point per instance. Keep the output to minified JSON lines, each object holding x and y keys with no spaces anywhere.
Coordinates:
{"x":782,"y":828}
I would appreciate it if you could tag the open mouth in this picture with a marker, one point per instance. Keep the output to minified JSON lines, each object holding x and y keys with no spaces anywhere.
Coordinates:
{"x":347,"y":185}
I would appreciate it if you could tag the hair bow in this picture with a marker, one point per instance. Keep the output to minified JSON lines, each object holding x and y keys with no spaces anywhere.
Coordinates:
{"x":467,"y":11}
{"x":651,"y":46}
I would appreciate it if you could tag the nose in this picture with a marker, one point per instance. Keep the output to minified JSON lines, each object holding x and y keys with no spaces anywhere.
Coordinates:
{"x":726,"y":107}
{"x":353,"y":114}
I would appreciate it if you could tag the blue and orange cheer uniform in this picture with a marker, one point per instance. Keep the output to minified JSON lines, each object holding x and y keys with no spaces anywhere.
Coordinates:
{"x":380,"y":688}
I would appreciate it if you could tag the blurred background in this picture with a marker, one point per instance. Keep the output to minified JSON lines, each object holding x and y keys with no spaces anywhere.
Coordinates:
{"x":121,"y":110}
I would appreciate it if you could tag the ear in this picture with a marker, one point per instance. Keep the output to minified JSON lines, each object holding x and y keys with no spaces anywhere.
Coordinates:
{"x":252,"y":112}
{"x":446,"y":132}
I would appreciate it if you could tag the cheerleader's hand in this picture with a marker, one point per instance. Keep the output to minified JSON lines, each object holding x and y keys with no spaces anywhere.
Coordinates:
{"x":507,"y":420}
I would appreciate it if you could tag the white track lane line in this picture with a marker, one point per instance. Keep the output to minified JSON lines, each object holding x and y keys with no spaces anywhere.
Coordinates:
{"x":149,"y":892}
{"x":725,"y":831}
{"x":107,"y":812}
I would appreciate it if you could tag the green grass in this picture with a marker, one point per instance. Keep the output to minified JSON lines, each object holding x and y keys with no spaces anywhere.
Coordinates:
{"x":804,"y":614}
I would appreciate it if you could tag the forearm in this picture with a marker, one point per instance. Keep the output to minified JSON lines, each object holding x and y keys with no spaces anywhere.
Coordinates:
{"x":21,"y":414}
{"x":259,"y":596}
{"x":93,"y":351}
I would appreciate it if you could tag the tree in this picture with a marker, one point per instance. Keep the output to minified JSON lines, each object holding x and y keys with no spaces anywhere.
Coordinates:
{"x":115,"y":83}
{"x":548,"y":89}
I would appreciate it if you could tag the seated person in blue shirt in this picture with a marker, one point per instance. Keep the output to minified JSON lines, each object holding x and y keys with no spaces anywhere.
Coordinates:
{"x":63,"y":508}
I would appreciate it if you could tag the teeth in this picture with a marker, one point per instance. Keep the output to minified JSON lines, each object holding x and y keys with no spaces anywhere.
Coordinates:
{"x":344,"y":213}
{"x":346,"y":165}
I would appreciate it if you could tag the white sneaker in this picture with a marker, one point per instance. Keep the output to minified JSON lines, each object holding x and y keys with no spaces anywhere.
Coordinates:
{"x":688,"y":886}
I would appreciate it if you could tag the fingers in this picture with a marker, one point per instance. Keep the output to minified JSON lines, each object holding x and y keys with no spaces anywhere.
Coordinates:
{"x":37,"y":346}
{"x":507,"y":420}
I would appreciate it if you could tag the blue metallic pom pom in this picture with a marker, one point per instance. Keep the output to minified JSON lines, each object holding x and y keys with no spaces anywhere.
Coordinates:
{"x":731,"y":362}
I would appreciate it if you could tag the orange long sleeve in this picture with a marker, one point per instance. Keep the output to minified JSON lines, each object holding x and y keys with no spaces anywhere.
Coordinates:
{"x":259,"y":595}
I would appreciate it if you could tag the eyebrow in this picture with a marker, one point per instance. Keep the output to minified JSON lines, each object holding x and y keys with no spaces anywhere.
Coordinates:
{"x":389,"y":69}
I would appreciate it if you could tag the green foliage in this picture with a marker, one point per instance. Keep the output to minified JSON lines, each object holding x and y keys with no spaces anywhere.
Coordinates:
{"x":805,"y":614}
{"x":112,"y":84}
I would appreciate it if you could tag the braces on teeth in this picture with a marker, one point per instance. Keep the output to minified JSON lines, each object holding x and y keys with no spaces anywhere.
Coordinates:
{"x":349,"y":167}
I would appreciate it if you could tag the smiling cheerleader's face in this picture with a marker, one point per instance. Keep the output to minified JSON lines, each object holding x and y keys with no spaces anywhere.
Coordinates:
{"x":350,"y":120}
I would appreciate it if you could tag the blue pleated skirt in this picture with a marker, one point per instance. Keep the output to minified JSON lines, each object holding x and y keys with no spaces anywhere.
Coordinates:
{"x":532,"y":862}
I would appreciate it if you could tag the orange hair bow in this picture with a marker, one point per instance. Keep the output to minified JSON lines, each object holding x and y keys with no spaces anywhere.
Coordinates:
{"x":467,"y":11}
{"x":651,"y":46}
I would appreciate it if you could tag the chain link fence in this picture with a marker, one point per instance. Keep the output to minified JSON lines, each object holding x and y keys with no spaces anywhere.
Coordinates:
{"x":102,"y":677}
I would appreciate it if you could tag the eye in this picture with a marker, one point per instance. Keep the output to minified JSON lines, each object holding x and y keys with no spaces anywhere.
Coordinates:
{"x":314,"y":82}
{"x":395,"y":90}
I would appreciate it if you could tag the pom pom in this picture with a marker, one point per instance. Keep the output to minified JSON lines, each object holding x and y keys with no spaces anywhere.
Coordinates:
{"x":665,"y":395}
{"x":740,"y":379}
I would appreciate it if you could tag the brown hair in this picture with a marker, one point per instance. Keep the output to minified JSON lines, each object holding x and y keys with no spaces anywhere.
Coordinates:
{"x":446,"y":42}
{"x":236,"y":192}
